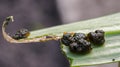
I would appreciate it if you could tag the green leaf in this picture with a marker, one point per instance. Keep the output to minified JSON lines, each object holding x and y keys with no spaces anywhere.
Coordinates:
{"x":110,"y":52}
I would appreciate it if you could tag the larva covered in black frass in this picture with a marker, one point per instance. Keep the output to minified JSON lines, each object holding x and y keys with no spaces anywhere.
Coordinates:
{"x":97,"y":37}
{"x":22,"y":33}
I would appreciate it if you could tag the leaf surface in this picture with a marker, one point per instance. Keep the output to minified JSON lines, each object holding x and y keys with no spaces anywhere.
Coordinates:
{"x":110,"y":52}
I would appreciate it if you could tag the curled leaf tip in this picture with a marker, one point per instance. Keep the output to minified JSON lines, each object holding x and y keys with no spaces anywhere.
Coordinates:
{"x":24,"y":40}
{"x":5,"y":23}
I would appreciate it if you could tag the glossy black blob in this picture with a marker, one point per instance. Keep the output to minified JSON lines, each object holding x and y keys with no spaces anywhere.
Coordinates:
{"x":97,"y":37}
{"x":78,"y":36}
{"x":22,"y":33}
{"x":73,"y":46}
{"x":83,"y":46}
{"x":99,"y":31}
{"x":66,"y":39}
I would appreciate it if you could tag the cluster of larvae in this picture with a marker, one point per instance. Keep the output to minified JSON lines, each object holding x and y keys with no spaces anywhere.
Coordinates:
{"x":77,"y":42}
{"x":81,"y":43}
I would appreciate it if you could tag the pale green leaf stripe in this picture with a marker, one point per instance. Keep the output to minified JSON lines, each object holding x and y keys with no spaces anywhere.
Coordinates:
{"x":106,"y":22}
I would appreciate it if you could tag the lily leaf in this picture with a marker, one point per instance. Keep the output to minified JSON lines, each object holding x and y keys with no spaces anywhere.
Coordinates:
{"x":110,"y":52}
